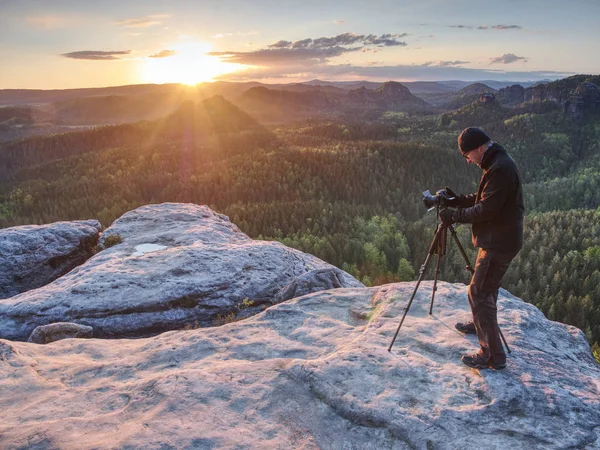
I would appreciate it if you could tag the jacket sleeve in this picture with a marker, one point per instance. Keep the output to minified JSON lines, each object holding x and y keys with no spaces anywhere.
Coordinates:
{"x":465,"y":201}
{"x":493,"y":197}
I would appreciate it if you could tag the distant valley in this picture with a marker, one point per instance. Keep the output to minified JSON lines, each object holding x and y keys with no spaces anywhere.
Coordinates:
{"x":332,"y":169}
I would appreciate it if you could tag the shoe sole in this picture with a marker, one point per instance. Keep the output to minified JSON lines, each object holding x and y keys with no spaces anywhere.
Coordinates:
{"x":465,"y":331}
{"x":486,"y":366}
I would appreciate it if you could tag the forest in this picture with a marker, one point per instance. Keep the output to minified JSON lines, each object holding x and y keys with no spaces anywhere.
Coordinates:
{"x":347,"y":191}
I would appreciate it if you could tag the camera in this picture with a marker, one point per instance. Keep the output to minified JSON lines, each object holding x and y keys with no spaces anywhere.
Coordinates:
{"x":441,"y":198}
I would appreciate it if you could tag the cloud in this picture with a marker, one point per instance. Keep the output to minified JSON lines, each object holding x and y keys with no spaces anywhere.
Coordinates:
{"x":384,"y":73}
{"x":444,"y":63}
{"x":507,"y":27}
{"x":486,"y":27}
{"x":507,"y":58}
{"x":163,"y":54}
{"x":311,"y":51}
{"x":339,"y":21}
{"x":47,"y":22}
{"x":143,"y":21}
{"x":280,"y":44}
{"x":282,"y":56}
{"x":220,"y":35}
{"x":96,"y":55}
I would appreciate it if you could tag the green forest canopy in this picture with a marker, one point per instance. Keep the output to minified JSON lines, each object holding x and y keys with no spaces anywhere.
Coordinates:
{"x":347,"y":192}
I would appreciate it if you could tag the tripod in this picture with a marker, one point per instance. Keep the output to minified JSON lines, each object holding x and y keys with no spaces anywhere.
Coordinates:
{"x":438,"y":246}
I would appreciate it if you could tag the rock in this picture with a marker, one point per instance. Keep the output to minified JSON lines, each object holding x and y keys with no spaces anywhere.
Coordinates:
{"x":511,"y":95}
{"x":578,"y":96}
{"x":584,"y":101}
{"x":177,"y":265}
{"x":313,"y":281}
{"x":35,"y":255}
{"x":313,"y":373}
{"x":57,"y":331}
{"x":487,"y":97}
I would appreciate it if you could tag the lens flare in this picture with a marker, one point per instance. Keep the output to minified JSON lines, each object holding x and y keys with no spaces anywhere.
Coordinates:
{"x":189,"y":64}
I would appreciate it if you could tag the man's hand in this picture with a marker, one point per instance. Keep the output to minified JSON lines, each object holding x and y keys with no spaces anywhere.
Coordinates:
{"x":448,"y":196}
{"x":447,"y":217}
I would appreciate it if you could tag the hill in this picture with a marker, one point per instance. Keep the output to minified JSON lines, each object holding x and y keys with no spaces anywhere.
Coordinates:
{"x":579,"y":95}
{"x":191,"y":121}
{"x":274,"y":104}
{"x":391,"y":96}
{"x":457,"y":99}
{"x":318,"y":101}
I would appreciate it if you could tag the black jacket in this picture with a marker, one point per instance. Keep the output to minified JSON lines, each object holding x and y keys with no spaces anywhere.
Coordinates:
{"x":497,"y":210}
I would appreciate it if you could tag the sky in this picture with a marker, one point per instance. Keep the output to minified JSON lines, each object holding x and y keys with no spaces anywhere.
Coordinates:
{"x":61,"y":44}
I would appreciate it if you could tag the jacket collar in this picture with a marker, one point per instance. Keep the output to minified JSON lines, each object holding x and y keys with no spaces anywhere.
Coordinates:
{"x":491,"y":154}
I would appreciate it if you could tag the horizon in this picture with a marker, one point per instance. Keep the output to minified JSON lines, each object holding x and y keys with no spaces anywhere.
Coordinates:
{"x":184,"y":85}
{"x":64,"y":44}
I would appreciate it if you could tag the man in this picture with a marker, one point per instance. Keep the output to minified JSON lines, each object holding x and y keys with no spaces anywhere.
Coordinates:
{"x":496,"y":212}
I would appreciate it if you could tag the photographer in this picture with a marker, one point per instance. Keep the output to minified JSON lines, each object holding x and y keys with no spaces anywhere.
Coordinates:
{"x":496,"y":212}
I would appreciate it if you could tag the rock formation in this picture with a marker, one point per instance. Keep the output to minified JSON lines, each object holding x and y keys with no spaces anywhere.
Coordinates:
{"x":61,"y":330}
{"x":34,"y":255}
{"x":584,"y":102}
{"x":511,"y":95}
{"x":578,"y":95}
{"x":313,"y":373}
{"x":177,"y":265}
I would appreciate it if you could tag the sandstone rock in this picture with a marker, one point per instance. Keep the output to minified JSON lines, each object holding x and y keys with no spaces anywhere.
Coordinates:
{"x":177,"y":265}
{"x":57,"y":331}
{"x":313,"y":373}
{"x":584,"y":101}
{"x":313,"y":281}
{"x":35,"y":255}
{"x":511,"y":95}
{"x":579,"y":100}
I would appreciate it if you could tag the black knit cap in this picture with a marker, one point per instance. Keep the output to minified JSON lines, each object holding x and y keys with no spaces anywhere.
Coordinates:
{"x":471,"y":138}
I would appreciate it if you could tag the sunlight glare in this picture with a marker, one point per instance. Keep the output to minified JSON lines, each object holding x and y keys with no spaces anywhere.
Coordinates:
{"x":190,"y":65}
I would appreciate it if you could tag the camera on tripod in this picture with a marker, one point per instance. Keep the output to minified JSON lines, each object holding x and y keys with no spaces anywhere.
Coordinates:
{"x":442,"y":198}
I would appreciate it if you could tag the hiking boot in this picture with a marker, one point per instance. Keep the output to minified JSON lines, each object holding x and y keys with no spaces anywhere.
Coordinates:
{"x":467,"y":328}
{"x":477,"y":361}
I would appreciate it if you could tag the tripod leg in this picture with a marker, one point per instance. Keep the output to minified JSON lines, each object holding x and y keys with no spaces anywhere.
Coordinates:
{"x":504,"y":340}
{"x":461,"y":249}
{"x":412,"y":297}
{"x":435,"y":278}
{"x":432,"y":249}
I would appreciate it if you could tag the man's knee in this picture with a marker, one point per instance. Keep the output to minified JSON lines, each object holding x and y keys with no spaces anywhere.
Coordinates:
{"x":481,"y":301}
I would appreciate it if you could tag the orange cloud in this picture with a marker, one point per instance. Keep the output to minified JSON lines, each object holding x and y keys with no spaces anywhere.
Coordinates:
{"x":47,"y":21}
{"x":96,"y":55}
{"x":143,"y":22}
{"x":163,"y":54}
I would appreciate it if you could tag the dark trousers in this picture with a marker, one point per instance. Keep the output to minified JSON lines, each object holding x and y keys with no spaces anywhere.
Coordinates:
{"x":490,"y":268}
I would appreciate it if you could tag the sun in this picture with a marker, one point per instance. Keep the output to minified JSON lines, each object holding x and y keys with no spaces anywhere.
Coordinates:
{"x":190,"y":64}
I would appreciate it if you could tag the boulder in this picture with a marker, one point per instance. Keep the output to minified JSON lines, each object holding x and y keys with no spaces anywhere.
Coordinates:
{"x":173,"y":265}
{"x":61,"y":330}
{"x":35,"y":255}
{"x":313,"y":281}
{"x":314,"y":373}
